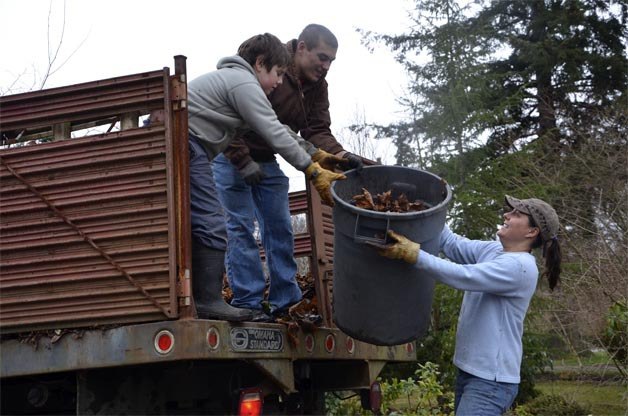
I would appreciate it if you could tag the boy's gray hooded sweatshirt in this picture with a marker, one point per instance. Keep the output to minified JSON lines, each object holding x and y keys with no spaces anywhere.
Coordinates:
{"x":230,"y":101}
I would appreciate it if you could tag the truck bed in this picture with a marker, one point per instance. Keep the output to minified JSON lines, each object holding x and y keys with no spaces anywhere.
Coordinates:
{"x":95,"y":276}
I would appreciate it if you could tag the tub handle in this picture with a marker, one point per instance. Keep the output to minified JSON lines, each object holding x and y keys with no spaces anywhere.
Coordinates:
{"x":358,"y":238}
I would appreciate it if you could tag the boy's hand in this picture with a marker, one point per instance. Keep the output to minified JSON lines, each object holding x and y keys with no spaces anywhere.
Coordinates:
{"x":327,"y":160}
{"x":401,"y":249}
{"x":322,"y":179}
{"x":252,"y":173}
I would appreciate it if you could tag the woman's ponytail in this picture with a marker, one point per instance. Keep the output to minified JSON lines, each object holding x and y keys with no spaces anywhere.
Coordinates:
{"x":553,"y":257}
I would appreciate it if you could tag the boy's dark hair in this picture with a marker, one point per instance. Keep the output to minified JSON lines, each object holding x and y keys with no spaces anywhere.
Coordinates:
{"x":313,"y":34}
{"x":269,"y":47}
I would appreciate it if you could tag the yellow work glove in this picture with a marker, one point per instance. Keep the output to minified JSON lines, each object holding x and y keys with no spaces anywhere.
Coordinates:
{"x":400,"y":249}
{"x":322,"y":179}
{"x":327,"y":160}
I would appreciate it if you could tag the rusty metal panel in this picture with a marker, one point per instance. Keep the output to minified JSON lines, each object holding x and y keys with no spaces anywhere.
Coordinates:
{"x":298,"y":202}
{"x":320,"y":227}
{"x":87,"y":233}
{"x":82,"y":102}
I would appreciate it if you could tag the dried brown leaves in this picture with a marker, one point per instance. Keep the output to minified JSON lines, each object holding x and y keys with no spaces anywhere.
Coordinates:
{"x":385,"y":202}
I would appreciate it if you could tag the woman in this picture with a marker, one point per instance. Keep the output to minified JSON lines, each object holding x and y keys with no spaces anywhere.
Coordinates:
{"x":499,"y":279}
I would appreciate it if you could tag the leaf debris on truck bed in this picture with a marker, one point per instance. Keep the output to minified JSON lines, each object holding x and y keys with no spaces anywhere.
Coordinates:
{"x":302,"y":315}
{"x":385,"y":202}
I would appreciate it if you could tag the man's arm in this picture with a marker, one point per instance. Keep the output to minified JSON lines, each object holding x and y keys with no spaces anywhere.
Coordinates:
{"x":318,"y":128}
{"x":318,"y":131}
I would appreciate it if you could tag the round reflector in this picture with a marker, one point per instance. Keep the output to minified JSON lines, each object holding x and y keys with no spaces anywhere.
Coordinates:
{"x":309,"y":343}
{"x":164,"y":341}
{"x":213,"y":338}
{"x":350,"y":345}
{"x":330,"y":343}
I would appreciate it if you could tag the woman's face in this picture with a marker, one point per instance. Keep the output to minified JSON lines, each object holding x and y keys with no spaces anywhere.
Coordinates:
{"x":516,"y":227}
{"x":269,"y":80}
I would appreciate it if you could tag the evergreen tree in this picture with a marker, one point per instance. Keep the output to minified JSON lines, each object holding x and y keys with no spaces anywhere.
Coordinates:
{"x":437,"y":100}
{"x":566,"y":58}
{"x":507,"y":72}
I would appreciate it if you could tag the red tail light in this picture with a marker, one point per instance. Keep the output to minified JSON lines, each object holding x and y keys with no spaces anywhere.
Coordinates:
{"x":376,"y":396}
{"x":371,"y":399}
{"x":250,"y":402}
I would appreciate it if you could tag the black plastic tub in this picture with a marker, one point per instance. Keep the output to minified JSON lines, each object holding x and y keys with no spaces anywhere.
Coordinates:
{"x":375,"y":299}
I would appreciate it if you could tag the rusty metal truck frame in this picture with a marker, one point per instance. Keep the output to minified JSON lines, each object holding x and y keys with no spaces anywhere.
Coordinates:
{"x":95,"y":246}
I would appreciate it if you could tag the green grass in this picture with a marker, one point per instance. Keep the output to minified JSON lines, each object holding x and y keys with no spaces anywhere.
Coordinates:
{"x":595,"y":358}
{"x":604,"y":399}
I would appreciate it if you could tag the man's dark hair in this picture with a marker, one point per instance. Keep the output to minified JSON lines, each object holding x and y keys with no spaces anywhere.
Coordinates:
{"x":269,"y":47}
{"x":314,"y":34}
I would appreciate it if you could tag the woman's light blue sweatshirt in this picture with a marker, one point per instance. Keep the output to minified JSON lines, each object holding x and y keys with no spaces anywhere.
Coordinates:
{"x":498,"y":287}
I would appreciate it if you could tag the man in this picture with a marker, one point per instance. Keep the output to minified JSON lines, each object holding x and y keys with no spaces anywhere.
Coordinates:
{"x":252,"y":186}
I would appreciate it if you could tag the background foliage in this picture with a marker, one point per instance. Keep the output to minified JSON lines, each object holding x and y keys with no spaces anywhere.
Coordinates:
{"x":526,"y":98}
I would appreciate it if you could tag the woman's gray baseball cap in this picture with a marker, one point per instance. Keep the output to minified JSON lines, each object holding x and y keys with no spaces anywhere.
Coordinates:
{"x":541,"y":212}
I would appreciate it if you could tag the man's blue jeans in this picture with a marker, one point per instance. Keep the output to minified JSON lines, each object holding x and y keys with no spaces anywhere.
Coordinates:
{"x":268,"y":203}
{"x":477,"y":396}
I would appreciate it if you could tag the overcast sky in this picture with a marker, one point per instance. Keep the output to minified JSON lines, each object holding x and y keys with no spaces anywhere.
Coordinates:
{"x":103,"y":39}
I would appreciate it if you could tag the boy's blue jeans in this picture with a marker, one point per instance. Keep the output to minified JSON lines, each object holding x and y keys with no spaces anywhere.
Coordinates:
{"x":206,"y":213}
{"x":477,"y":396}
{"x":268,"y":203}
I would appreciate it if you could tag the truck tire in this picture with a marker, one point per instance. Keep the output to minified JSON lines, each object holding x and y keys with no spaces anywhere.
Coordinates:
{"x":311,"y":402}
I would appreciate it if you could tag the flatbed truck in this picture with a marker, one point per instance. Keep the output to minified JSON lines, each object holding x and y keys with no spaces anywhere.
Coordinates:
{"x":96,"y":307}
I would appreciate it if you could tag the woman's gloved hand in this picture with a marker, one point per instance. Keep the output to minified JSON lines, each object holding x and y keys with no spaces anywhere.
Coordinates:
{"x":327,"y":160}
{"x":322,"y":179}
{"x":401,"y":248}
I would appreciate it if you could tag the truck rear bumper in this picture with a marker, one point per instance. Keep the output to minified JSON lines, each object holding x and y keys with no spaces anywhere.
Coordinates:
{"x":270,"y":347}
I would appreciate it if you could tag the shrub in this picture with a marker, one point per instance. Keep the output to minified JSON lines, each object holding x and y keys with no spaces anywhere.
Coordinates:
{"x":616,"y":334}
{"x":419,"y":395}
{"x":534,"y":362}
{"x":336,"y":405}
{"x":552,"y":405}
